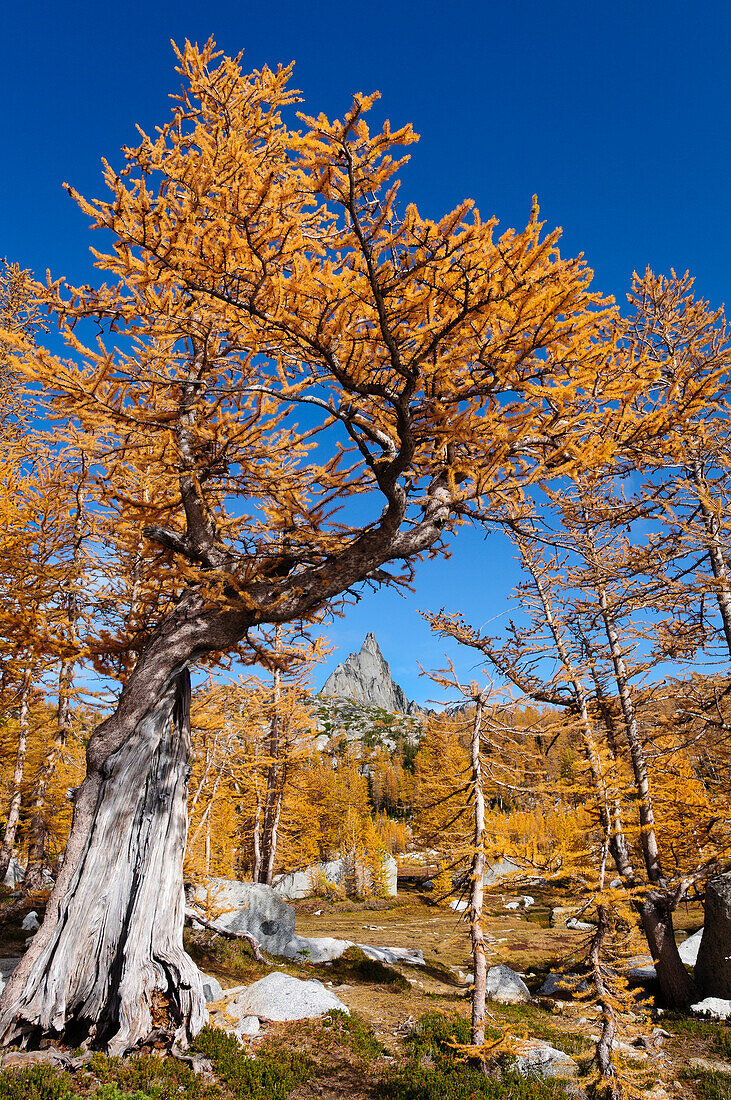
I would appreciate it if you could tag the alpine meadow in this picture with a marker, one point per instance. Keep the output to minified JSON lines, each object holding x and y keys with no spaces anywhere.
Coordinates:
{"x":288,"y":387}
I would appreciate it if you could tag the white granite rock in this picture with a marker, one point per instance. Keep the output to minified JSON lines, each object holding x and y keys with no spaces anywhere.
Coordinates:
{"x":505,"y":986}
{"x":538,"y":1059}
{"x":411,"y":956}
{"x":302,"y":884}
{"x":212,"y":988}
{"x":501,"y":869}
{"x":14,"y":873}
{"x":280,"y":997}
{"x":716,"y":1007}
{"x":248,"y":1027}
{"x":688,"y":949}
{"x":460,"y":905}
{"x":562,"y":985}
{"x":249,"y":907}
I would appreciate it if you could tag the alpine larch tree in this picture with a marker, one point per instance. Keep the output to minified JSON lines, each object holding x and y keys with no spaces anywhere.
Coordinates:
{"x":293,"y":381}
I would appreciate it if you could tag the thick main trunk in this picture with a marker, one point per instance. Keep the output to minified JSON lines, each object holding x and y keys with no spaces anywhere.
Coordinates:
{"x":108,"y":963}
{"x":676,"y":985}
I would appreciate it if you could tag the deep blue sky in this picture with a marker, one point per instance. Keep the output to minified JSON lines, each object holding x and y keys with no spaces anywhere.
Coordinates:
{"x":617,"y":116}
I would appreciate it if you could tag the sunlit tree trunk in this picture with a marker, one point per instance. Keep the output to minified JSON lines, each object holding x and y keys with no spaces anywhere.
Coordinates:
{"x":656,"y":909}
{"x":476,"y":883}
{"x":274,"y":794}
{"x":11,"y":828}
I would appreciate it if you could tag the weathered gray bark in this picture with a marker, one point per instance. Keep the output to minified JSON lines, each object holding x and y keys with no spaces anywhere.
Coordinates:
{"x":606,"y":1001}
{"x":656,"y":909}
{"x":676,"y":985}
{"x":108,"y":963}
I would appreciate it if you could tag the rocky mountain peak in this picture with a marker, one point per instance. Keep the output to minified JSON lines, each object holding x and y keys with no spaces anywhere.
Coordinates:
{"x":365,"y":677}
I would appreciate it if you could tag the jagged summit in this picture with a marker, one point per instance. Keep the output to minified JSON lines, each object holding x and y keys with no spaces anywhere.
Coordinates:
{"x":366,"y":678}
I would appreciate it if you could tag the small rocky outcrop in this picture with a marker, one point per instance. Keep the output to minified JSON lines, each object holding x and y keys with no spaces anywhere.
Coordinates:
{"x":366,"y":678}
{"x":282,"y":997}
{"x":715,"y":1007}
{"x":302,"y":884}
{"x":713,"y":965}
{"x":257,"y":909}
{"x":562,"y":986}
{"x":538,"y":1059}
{"x":505,"y":986}
{"x":249,"y":907}
{"x":212,"y":988}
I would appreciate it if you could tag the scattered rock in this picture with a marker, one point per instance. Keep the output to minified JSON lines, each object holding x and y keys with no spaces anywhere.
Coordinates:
{"x":280,"y":997}
{"x":708,"y":1065}
{"x":505,"y":986}
{"x":7,"y":966}
{"x":538,"y":1059}
{"x":248,"y":1027}
{"x":688,"y":949}
{"x":460,"y":905}
{"x":716,"y":1007}
{"x":500,"y":870}
{"x":642,"y":969}
{"x":212,"y":988}
{"x":302,"y":884}
{"x":562,"y":986}
{"x":31,"y":922}
{"x":14,"y":874}
{"x":411,"y":956}
{"x":713,"y":964}
{"x":561,"y":914}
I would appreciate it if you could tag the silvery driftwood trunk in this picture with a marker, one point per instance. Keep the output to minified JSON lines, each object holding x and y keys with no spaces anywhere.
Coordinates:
{"x":108,"y":964}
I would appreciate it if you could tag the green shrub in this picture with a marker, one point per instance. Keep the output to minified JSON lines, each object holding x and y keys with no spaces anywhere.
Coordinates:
{"x":148,"y":1078}
{"x":460,"y":1082}
{"x":708,"y":1085}
{"x":271,"y":1073}
{"x":715,"y":1033}
{"x":112,"y":1091}
{"x":353,"y":1033}
{"x":438,"y":1072}
{"x":354,"y":965}
{"x":41,"y":1082}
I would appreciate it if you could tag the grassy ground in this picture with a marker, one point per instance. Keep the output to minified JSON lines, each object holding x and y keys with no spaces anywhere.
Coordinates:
{"x":394,"y":1046}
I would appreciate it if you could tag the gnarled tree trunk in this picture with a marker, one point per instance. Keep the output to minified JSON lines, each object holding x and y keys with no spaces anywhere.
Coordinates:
{"x":108,"y":964}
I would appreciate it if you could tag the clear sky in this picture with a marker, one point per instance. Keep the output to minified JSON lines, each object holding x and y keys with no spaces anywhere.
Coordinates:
{"x":616,"y":115}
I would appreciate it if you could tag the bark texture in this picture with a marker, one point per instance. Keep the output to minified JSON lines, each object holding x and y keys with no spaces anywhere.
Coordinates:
{"x":676,"y":985}
{"x":108,"y":964}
